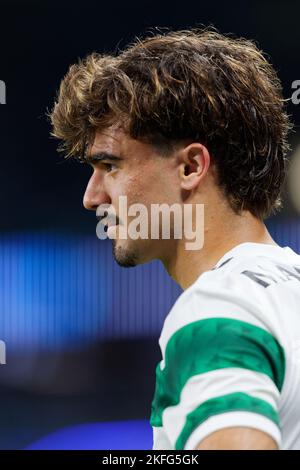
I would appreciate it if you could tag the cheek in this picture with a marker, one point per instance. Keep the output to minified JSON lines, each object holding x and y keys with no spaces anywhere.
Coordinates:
{"x":130,"y":186}
{"x":149,"y":183}
{"x":136,"y":186}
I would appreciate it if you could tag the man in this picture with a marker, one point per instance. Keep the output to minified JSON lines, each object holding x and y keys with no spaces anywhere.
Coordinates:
{"x":195,"y":118}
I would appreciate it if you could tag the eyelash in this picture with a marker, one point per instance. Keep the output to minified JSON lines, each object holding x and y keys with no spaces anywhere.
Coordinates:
{"x":108,"y":167}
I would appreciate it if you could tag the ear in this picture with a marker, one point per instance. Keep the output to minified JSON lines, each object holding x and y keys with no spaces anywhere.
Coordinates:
{"x":195,"y":162}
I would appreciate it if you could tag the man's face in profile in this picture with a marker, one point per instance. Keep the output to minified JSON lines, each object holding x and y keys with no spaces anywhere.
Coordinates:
{"x":123,"y":166}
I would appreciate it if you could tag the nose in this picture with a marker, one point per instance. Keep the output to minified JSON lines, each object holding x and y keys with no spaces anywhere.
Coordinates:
{"x":95,"y":193}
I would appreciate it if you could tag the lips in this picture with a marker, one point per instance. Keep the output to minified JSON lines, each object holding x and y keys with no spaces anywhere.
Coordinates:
{"x":108,"y":222}
{"x":107,"y":226}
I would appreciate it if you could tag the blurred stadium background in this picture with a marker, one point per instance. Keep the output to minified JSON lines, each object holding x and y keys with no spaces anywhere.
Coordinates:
{"x":82,"y":333}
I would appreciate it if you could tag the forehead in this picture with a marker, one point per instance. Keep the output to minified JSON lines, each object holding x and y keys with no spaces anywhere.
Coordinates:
{"x":115,"y":141}
{"x":108,"y":139}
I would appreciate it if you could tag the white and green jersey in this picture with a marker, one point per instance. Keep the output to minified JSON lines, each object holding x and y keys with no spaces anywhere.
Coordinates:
{"x":231,"y":351}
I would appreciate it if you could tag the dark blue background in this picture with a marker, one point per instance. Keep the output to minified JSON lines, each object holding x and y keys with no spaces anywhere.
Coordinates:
{"x":81,"y":332}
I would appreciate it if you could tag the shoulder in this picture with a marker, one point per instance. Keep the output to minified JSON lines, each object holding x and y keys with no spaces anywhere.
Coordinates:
{"x":241,"y":290}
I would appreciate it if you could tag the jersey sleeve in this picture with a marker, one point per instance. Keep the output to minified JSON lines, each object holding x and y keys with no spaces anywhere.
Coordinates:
{"x":218,"y":371}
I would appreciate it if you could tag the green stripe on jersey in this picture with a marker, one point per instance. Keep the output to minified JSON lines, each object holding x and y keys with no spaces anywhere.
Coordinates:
{"x":223,"y":404}
{"x":211,"y":344}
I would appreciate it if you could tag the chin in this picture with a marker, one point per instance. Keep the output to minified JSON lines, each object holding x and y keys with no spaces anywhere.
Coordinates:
{"x":125,"y":257}
{"x":129,"y":253}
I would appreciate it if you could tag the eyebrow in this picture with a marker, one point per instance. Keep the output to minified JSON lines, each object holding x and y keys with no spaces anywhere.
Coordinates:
{"x":100,"y":156}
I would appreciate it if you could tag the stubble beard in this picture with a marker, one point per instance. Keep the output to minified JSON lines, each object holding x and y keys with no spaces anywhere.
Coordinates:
{"x":124,"y":258}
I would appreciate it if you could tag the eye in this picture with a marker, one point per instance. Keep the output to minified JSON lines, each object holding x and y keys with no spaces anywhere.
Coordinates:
{"x":108,"y":167}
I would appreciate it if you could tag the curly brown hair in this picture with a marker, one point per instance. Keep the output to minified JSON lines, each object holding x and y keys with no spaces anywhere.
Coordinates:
{"x":189,"y":84}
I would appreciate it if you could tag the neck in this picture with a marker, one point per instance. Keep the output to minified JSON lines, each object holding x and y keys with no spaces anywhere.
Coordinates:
{"x":185,"y":266}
